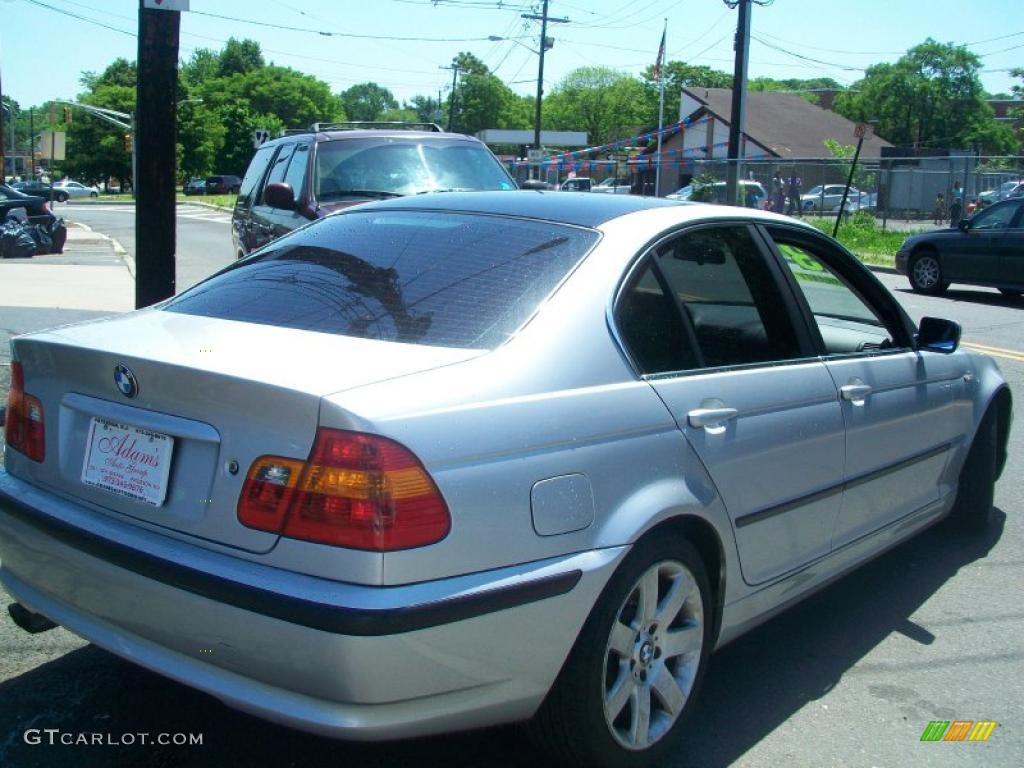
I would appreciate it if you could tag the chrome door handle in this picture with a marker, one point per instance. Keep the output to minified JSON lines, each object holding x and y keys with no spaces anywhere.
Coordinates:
{"x":710,"y":417}
{"x":855,"y":391}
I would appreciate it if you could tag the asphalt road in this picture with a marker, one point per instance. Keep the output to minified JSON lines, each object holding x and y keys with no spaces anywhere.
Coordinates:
{"x":851,"y":677}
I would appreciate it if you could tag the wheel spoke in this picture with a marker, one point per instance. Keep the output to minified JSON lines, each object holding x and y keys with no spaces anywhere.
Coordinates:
{"x":647,"y":604}
{"x":684,"y":640}
{"x":673,"y":602}
{"x":622,"y":639}
{"x":640,"y":724}
{"x":620,"y":695}
{"x":666,"y":688}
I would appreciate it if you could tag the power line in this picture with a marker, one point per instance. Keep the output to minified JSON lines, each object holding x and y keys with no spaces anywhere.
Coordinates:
{"x":80,"y":18}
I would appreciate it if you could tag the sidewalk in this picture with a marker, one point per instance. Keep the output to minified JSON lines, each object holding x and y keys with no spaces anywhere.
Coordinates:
{"x":91,"y":274}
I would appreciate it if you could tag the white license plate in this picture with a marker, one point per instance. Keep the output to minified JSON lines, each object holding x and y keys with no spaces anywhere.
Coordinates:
{"x":128,"y":461}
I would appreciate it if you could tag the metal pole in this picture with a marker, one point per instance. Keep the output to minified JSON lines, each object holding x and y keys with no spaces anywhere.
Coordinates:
{"x":661,"y":108}
{"x":846,"y":189}
{"x":737,"y":117}
{"x":540,"y":76}
{"x":32,"y":139}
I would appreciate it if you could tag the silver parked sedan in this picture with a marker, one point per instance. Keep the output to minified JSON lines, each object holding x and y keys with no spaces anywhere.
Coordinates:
{"x":434,"y":464}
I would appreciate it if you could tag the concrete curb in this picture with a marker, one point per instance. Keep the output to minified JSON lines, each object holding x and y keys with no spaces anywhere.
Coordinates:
{"x":119,"y":250}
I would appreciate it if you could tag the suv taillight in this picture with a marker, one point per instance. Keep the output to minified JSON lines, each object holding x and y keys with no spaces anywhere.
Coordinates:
{"x":24,"y":427}
{"x":355,"y":490}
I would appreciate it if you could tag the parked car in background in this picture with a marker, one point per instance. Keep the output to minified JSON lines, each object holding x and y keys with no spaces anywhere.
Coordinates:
{"x":577,"y":184}
{"x":613,"y":186}
{"x":752,"y":191}
{"x":194,"y":187}
{"x":31,"y":209}
{"x":827,"y":197}
{"x":40,"y":189}
{"x":521,"y":457}
{"x":986,"y":249}
{"x":222,"y":185}
{"x":75,"y":189}
{"x":303,"y":176}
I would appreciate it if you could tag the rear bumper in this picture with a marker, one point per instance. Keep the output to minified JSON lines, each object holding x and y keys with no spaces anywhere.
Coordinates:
{"x":339,"y":659}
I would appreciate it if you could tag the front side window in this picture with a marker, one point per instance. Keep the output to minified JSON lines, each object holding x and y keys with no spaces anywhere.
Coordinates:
{"x":257,"y":167}
{"x":397,"y":166}
{"x":996,"y":217}
{"x":440,"y":279}
{"x":846,"y":322}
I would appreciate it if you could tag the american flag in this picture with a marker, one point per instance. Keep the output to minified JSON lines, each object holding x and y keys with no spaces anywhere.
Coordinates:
{"x":661,"y":57}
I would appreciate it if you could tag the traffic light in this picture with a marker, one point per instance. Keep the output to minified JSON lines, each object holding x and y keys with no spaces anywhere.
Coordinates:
{"x":67,"y":115}
{"x":128,"y":143}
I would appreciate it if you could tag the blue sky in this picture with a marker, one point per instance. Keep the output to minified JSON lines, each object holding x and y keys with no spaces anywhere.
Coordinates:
{"x":43,"y":51}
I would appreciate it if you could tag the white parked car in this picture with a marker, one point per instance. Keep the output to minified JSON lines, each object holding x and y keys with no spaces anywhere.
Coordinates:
{"x":613,"y":186}
{"x":828,"y":197}
{"x":75,"y":189}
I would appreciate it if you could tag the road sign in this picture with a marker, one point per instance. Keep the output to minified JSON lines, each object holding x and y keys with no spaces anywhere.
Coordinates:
{"x":862,"y":130}
{"x":166,"y":5}
{"x":535,"y":155}
{"x":259,"y":136}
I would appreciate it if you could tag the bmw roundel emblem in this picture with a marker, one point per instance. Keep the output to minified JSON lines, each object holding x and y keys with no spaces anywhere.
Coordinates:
{"x":125,"y":381}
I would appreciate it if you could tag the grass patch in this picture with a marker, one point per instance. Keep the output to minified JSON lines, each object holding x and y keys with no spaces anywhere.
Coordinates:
{"x":863,"y":237}
{"x":221,"y":201}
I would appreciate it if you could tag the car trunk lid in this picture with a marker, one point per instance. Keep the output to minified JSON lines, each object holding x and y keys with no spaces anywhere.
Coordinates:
{"x":208,"y":396}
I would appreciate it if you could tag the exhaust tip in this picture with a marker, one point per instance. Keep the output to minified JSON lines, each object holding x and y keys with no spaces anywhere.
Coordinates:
{"x":33,"y":623}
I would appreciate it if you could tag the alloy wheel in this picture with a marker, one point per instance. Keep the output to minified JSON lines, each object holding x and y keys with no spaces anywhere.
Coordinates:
{"x":653,"y":655}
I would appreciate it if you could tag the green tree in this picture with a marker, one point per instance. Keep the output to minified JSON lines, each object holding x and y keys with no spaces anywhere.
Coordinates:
{"x":606,"y":104}
{"x":367,"y":101}
{"x":240,"y":57}
{"x":95,"y":148}
{"x":203,"y":65}
{"x":482,"y":100}
{"x":930,"y":97}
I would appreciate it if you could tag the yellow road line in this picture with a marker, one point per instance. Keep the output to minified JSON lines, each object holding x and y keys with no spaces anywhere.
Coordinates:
{"x":1009,"y":354}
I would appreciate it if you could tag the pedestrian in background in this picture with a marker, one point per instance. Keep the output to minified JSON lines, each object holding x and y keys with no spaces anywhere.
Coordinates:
{"x":794,"y":205}
{"x":778,"y":193}
{"x":939,"y":212}
{"x":956,"y":204}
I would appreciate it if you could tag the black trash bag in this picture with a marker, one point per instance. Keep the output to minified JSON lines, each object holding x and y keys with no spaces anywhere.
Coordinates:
{"x":41,"y":235}
{"x":16,"y":242}
{"x":59,"y":235}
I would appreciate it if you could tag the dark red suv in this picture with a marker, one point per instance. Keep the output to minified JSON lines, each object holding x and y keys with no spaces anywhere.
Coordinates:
{"x":307,"y":174}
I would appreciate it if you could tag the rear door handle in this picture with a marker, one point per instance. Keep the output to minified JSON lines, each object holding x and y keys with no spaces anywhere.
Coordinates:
{"x":855,"y":392}
{"x":710,"y":417}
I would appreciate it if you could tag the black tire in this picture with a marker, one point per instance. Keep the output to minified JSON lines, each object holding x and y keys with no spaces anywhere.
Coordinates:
{"x":925,"y":273}
{"x":62,"y":197}
{"x":974,"y":508}
{"x":572,"y":724}
{"x":94,"y":194}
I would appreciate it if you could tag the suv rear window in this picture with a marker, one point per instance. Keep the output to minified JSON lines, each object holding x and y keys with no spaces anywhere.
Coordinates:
{"x":404,"y":166}
{"x":418,"y":277}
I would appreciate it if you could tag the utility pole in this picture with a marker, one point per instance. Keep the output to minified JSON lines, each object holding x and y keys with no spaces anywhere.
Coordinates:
{"x":3,"y":164}
{"x":155,"y":124}
{"x":737,"y":117}
{"x":451,"y":99}
{"x":543,"y":19}
{"x":32,"y":139}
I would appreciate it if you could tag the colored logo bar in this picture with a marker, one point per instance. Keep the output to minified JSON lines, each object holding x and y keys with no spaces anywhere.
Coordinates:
{"x":958,"y":730}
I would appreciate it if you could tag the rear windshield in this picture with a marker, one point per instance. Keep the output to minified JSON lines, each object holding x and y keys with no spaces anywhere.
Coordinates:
{"x":419,"y":277}
{"x":404,"y":166}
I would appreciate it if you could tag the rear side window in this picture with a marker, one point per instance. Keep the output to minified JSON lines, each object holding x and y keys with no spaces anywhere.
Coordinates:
{"x":452,"y":280}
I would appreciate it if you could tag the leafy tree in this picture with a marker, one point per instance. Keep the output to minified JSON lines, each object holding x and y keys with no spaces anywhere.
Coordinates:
{"x":95,"y":148}
{"x":606,"y":104}
{"x":367,"y":101}
{"x":677,"y":75}
{"x":482,"y":100}
{"x":930,"y":97}
{"x":239,"y":57}
{"x":203,"y":65}
{"x":427,"y":109}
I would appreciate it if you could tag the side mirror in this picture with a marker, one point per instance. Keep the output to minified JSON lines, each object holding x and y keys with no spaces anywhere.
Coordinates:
{"x":938,"y":335}
{"x":963,"y":225}
{"x":279,"y":195}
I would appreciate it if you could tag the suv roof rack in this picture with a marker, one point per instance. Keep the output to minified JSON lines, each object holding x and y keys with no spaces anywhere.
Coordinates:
{"x":355,"y":125}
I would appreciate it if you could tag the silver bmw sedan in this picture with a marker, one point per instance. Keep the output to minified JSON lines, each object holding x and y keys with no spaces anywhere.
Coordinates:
{"x":435,"y":464}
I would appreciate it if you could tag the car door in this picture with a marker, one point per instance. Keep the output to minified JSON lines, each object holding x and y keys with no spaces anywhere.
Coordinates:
{"x":290,"y":168}
{"x":705,"y":320}
{"x":974,"y":255}
{"x":903,"y":409}
{"x":265,"y":218}
{"x":1011,"y":255}
{"x":245,"y":229}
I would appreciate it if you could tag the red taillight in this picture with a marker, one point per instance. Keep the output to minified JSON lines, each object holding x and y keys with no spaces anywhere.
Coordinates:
{"x":24,"y":428}
{"x":355,"y":490}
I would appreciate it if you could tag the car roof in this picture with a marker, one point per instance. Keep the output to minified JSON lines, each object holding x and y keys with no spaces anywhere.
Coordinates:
{"x":583,"y":209}
{"x":370,"y":133}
